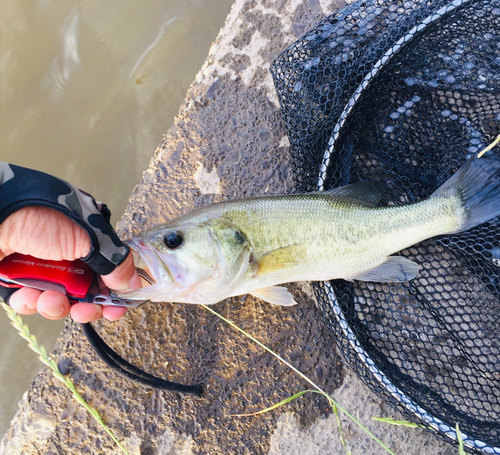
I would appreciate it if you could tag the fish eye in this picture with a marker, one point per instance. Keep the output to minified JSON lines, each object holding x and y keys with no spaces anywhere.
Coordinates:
{"x":239,"y":238}
{"x":173,"y":240}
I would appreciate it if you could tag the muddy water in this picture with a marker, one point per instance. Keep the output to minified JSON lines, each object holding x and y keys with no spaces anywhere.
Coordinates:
{"x":87,"y":88}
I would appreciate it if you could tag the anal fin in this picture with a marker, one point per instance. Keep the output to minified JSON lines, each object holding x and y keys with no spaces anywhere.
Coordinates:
{"x":395,"y":269}
{"x":277,"y":295}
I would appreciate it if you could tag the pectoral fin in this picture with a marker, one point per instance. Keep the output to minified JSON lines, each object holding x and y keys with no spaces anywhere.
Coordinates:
{"x":277,"y":295}
{"x":280,"y":258}
{"x":395,"y":269}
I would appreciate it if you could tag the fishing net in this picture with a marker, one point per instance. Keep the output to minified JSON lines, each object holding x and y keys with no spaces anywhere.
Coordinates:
{"x":405,"y":92}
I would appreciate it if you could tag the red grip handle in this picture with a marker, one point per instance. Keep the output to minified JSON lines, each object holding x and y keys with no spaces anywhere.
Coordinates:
{"x":75,"y":276}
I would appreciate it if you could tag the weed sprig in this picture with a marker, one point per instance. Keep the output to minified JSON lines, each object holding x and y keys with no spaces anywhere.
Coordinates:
{"x":24,"y":331}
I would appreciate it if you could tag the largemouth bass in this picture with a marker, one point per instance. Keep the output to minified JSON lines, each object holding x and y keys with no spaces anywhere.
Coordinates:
{"x":250,"y":246}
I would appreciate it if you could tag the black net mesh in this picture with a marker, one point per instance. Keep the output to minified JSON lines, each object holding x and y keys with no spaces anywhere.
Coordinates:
{"x":405,"y":91}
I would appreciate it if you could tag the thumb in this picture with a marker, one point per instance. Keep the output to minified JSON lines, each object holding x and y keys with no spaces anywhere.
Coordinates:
{"x":123,"y":277}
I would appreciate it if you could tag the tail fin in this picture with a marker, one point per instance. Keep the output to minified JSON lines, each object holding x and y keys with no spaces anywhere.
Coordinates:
{"x":477,"y":183}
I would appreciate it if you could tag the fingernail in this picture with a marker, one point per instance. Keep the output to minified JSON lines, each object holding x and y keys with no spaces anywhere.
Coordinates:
{"x":55,"y":312}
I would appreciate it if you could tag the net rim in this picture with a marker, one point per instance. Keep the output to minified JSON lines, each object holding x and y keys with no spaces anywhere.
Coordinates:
{"x":395,"y":392}
{"x":382,"y":379}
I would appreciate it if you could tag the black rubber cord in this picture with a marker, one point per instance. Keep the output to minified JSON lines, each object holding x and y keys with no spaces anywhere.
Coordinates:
{"x":119,"y":364}
{"x":126,"y":369}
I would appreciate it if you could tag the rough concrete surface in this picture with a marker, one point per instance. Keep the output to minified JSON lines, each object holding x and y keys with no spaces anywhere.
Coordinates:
{"x":228,"y":141}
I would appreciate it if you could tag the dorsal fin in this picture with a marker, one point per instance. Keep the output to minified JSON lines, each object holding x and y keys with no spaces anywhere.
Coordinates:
{"x":370,"y":192}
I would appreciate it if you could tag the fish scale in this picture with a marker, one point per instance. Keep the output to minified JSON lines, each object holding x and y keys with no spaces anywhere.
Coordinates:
{"x":342,"y":237}
{"x":250,"y":246}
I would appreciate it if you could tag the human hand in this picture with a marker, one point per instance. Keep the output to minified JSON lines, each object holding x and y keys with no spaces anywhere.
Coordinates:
{"x":48,"y":234}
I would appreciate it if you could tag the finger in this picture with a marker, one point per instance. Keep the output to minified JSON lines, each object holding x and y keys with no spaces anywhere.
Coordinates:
{"x":53,"y":305}
{"x":124,"y":277}
{"x":85,"y":312}
{"x":112,"y":313}
{"x":44,"y":233}
{"x":24,"y":301}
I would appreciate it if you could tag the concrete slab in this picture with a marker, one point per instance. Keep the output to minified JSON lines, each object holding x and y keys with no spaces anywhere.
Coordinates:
{"x":228,"y":141}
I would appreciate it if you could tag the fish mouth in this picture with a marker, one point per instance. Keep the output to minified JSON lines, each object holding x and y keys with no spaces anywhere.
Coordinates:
{"x":145,"y":261}
{"x":144,"y":275}
{"x":153,"y":268}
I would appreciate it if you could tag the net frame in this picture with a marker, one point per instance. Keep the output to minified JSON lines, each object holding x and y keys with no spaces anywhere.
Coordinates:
{"x":320,"y":163}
